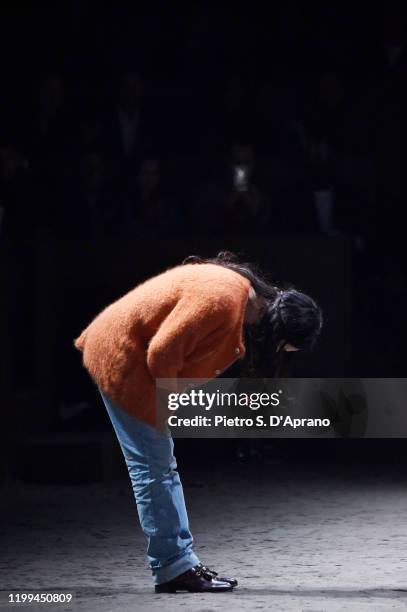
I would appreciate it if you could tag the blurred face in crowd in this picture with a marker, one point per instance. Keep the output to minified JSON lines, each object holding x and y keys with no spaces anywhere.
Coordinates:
{"x":394,"y":26}
{"x":93,"y":171}
{"x":331,"y":91}
{"x":130,"y":92}
{"x":265,"y":102}
{"x":91,"y":133}
{"x":149,"y":175}
{"x":234,"y":95}
{"x":8,"y":162}
{"x":243,"y":154}
{"x":52,"y":93}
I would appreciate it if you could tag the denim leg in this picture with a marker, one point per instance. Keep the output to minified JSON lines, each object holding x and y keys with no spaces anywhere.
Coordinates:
{"x":158,"y":492}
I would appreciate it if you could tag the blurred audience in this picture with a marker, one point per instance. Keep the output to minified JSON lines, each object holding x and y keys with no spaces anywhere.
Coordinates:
{"x":229,"y":126}
{"x":89,"y":209}
{"x":150,"y":211}
{"x":48,"y":127}
{"x":98,"y":206}
{"x":17,"y":209}
{"x":232,"y":203}
{"x":129,"y":124}
{"x":305,"y":145}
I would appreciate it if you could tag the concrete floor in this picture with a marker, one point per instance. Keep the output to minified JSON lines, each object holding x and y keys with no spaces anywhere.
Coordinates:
{"x":296,"y":539}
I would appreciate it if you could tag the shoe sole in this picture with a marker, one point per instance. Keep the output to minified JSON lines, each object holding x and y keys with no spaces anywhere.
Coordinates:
{"x":178,"y":590}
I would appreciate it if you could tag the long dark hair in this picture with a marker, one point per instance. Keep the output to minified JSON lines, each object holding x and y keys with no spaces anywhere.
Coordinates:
{"x":288,"y":315}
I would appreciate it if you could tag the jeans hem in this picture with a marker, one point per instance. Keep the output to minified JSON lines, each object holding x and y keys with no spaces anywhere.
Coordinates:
{"x":181,"y":565}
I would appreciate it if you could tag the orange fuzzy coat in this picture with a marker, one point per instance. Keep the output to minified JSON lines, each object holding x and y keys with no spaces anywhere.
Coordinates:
{"x":187,"y":322}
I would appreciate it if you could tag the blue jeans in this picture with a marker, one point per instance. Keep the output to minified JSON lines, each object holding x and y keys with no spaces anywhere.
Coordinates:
{"x":158,"y":492}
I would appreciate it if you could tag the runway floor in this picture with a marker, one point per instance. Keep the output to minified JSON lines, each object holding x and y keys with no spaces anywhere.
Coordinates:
{"x":296,"y":538}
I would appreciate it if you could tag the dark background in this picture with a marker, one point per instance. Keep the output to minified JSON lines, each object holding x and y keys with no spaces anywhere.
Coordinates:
{"x":120,"y":126}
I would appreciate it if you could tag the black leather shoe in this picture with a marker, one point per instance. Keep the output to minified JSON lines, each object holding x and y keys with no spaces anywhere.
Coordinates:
{"x":214,"y":574}
{"x":195,"y":580}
